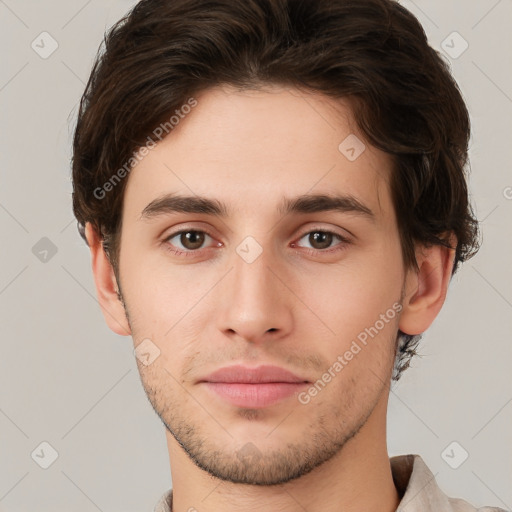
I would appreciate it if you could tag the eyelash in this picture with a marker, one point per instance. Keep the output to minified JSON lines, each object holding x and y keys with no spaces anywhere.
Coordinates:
{"x":190,"y":253}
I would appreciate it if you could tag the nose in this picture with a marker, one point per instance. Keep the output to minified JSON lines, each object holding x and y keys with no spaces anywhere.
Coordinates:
{"x":254,"y":303}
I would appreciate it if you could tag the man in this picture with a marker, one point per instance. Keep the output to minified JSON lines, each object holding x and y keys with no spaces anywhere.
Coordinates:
{"x":274,"y":198}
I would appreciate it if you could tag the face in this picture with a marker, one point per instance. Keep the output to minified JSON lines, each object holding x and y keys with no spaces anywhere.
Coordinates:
{"x":309,"y":286}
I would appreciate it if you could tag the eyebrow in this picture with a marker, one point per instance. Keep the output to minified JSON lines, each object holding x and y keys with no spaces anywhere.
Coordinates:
{"x":308,"y":203}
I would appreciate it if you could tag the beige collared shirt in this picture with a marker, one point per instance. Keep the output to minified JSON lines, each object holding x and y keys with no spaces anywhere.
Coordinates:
{"x":415,"y":484}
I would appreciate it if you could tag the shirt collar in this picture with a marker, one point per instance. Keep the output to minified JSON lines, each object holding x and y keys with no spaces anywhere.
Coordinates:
{"x":416,"y":485}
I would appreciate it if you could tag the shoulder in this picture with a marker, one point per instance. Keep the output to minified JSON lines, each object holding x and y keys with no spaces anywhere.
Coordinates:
{"x":419,"y":490}
{"x":164,"y":504}
{"x":460,"y":505}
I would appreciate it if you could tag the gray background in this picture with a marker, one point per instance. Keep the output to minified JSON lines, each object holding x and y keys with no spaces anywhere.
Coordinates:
{"x":66,"y":379}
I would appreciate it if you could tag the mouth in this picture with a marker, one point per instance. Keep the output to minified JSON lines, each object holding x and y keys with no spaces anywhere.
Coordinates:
{"x":253,"y":387}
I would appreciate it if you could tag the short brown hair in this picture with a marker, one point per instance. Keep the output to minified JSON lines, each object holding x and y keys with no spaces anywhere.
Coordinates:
{"x":373,"y":52}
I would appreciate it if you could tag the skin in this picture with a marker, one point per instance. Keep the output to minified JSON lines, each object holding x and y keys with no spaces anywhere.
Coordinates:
{"x":290,"y":308}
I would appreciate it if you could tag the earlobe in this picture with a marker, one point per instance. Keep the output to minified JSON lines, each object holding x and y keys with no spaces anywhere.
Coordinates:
{"x":425,"y":289}
{"x":106,"y":285}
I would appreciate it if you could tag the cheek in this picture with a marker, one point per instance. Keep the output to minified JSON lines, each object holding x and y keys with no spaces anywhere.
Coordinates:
{"x":353,"y":295}
{"x":174,"y":309}
{"x":159,"y":292}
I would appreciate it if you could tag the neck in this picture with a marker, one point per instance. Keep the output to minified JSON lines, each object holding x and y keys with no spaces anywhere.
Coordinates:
{"x":358,"y":478}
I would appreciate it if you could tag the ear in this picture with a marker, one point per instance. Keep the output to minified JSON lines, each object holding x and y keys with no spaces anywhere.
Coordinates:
{"x":425,"y":290}
{"x":106,"y":285}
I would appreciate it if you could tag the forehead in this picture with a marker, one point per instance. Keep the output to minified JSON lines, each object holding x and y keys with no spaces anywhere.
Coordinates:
{"x":250,"y":148}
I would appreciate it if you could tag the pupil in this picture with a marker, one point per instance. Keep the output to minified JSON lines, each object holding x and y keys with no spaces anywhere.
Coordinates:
{"x":324,"y":239}
{"x":193,"y":239}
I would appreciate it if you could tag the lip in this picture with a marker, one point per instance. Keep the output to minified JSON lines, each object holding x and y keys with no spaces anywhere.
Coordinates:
{"x":253,"y":387}
{"x":245,"y":375}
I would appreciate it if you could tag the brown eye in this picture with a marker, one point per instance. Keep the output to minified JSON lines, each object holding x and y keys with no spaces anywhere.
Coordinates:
{"x":188,"y":240}
{"x":192,"y":239}
{"x":320,"y":239}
